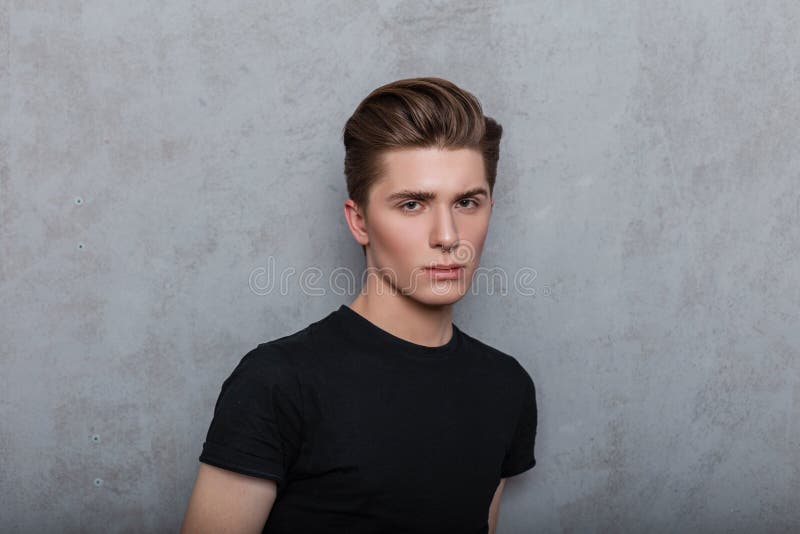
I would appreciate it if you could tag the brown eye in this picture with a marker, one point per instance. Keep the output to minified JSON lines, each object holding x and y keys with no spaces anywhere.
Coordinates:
{"x":474,"y":202}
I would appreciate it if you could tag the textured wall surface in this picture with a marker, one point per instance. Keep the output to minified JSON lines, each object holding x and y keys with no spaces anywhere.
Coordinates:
{"x":154,"y":156}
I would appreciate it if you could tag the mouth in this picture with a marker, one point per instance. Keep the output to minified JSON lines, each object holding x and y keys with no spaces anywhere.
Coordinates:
{"x":444,"y":267}
{"x":445,"y":272}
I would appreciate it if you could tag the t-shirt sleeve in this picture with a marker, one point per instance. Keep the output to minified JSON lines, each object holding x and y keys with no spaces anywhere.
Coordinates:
{"x":520,"y":456}
{"x":257,"y":423}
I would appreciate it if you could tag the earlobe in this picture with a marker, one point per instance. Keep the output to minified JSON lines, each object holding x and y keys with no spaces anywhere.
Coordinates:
{"x":355,"y":221}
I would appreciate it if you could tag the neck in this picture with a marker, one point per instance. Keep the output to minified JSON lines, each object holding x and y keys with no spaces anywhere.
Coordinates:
{"x":404,"y":317}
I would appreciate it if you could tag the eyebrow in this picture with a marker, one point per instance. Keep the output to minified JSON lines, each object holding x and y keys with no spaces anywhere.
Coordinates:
{"x":430,"y":195}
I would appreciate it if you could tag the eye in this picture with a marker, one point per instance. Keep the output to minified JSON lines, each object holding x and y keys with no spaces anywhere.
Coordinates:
{"x":405,"y":204}
{"x":475,"y":203}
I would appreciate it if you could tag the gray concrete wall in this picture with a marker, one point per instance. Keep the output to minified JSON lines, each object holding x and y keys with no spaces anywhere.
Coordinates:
{"x":153,"y":157}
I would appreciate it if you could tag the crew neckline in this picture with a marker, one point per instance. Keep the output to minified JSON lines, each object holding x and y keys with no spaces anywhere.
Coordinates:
{"x":371,"y":334}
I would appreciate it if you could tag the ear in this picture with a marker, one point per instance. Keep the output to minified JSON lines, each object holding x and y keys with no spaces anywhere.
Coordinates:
{"x":356,"y":222}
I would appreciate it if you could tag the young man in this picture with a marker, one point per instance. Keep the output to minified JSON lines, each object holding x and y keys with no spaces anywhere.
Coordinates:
{"x":383,"y":416}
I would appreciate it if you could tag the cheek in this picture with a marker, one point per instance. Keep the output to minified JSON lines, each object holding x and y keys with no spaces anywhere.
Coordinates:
{"x":474,"y":232}
{"x":398,"y":238}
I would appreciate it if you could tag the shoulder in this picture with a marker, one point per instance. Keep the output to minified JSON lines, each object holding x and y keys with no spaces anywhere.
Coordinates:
{"x":516,"y":382}
{"x":285,"y":354}
{"x":263,"y":369}
{"x":506,"y":362}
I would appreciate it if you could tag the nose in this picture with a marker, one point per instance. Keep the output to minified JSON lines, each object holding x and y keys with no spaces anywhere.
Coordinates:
{"x":444,"y":233}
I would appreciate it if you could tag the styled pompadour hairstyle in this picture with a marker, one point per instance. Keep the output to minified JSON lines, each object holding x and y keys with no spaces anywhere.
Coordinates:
{"x":414,"y":113}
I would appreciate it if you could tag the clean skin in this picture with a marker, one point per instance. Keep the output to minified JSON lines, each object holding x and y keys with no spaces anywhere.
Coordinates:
{"x":427,"y":200}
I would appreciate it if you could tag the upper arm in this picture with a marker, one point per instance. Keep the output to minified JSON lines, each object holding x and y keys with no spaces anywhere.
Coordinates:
{"x":494,"y":508}
{"x":224,"y":501}
{"x":520,"y":454}
{"x":258,"y":418}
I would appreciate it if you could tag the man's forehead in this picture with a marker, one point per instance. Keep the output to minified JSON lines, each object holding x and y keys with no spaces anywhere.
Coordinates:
{"x":431,"y":170}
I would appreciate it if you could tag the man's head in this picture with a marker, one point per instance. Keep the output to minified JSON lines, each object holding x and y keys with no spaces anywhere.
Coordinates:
{"x":414,"y":113}
{"x":425,"y":135}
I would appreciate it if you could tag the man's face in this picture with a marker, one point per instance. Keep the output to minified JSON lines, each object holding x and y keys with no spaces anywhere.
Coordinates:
{"x":426,"y":200}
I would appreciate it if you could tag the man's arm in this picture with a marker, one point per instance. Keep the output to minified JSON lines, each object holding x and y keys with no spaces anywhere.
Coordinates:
{"x":494,"y":508}
{"x":226,"y":502}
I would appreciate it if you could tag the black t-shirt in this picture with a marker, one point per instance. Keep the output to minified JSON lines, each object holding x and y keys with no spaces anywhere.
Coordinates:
{"x":365,"y":432}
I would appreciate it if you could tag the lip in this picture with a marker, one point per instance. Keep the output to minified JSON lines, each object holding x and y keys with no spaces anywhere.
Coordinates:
{"x":447,"y":272}
{"x":444,"y":266}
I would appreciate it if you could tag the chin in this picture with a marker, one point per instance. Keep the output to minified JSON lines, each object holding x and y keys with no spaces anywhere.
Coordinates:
{"x":433,"y":297}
